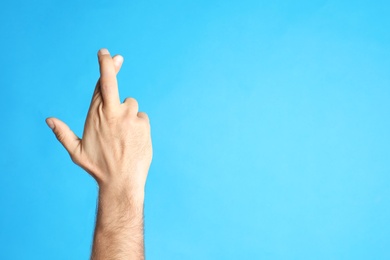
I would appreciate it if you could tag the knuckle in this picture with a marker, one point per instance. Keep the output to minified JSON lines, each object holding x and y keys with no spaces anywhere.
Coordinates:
{"x":104,"y":84}
{"x":143,"y":115}
{"x":60,"y":136}
{"x":77,"y":159}
{"x":130,"y":100}
{"x":132,"y":103}
{"x":74,"y":158}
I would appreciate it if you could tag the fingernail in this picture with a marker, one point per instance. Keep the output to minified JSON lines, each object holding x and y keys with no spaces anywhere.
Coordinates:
{"x":103,"y":51}
{"x":118,"y":60}
{"x":50,"y":123}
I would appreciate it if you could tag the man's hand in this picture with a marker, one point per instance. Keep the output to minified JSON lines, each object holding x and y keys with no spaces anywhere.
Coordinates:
{"x":116,"y":149}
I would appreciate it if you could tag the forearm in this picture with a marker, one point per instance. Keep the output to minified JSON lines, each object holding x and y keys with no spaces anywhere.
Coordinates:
{"x":119,"y":224}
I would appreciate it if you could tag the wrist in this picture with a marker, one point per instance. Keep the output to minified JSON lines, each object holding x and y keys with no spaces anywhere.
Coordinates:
{"x":122,"y":191}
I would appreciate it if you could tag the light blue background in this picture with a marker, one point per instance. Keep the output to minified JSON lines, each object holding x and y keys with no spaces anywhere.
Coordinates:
{"x":270,"y":125}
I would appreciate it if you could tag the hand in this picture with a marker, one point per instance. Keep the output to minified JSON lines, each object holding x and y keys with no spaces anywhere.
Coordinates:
{"x":116,"y":147}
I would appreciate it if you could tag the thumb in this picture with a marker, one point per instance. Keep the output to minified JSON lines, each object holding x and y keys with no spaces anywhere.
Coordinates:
{"x":64,"y":135}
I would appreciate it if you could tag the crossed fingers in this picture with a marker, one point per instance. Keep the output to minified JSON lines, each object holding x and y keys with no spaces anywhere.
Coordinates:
{"x":108,"y":82}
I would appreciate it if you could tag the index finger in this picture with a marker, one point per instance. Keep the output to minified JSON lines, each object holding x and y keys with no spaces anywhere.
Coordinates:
{"x":108,"y":81}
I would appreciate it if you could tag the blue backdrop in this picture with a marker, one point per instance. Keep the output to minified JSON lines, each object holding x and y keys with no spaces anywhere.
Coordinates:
{"x":270,"y":125}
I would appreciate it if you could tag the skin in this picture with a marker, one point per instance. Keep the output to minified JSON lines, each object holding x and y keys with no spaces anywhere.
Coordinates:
{"x":116,"y":150}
